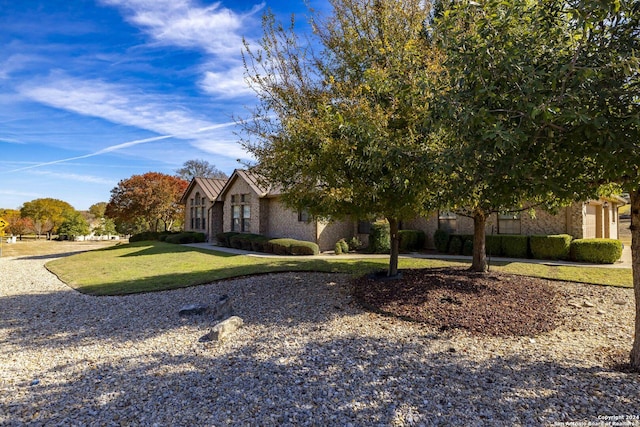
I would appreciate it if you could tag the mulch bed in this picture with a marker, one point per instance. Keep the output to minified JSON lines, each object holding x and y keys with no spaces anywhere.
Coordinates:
{"x":451,"y":298}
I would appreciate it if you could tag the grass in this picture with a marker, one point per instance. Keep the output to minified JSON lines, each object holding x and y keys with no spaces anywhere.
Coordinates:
{"x":156,"y":266}
{"x":30,"y":246}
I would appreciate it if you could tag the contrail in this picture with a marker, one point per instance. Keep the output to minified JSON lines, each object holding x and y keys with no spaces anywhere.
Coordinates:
{"x":123,"y":145}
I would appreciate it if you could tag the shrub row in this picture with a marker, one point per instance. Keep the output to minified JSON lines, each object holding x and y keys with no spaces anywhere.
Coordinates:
{"x":186,"y":237}
{"x":260,"y":243}
{"x":554,"y":247}
{"x":380,"y":239}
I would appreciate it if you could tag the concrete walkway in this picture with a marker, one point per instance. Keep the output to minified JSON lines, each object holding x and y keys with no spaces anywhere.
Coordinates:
{"x":623,"y":262}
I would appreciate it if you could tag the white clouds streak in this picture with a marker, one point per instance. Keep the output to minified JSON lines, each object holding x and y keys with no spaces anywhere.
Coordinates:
{"x":182,"y":23}
{"x":119,"y":104}
{"x":213,"y":29}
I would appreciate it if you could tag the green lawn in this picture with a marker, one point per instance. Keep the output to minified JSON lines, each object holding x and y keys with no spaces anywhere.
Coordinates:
{"x":155,"y":266}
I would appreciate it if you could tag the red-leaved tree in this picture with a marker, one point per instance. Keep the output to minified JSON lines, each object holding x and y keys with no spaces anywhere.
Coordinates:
{"x":152,"y":197}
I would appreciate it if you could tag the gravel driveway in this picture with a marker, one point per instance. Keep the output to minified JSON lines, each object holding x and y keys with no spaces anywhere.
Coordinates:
{"x":306,"y":356}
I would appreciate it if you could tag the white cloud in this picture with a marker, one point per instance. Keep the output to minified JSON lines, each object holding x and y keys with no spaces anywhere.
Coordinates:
{"x":122,"y":105}
{"x":226,"y":84}
{"x":15,"y":63}
{"x":213,"y":28}
{"x":74,"y":177}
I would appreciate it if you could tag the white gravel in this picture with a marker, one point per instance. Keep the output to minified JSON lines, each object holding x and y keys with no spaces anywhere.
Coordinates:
{"x":306,"y":356}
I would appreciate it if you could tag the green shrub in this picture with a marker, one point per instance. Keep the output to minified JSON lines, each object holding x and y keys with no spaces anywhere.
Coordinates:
{"x":493,"y":245}
{"x":224,"y":239}
{"x":281,"y":246}
{"x":235,"y":241}
{"x":300,"y":247}
{"x":245,"y":241}
{"x":411,"y":240}
{"x":258,"y":243}
{"x":338,"y":248}
{"x":514,"y":246}
{"x":146,"y":235}
{"x":186,"y":237}
{"x":550,"y":247}
{"x":455,"y":245}
{"x":292,"y":247}
{"x":599,"y":251}
{"x":467,"y":247}
{"x":379,"y":238}
{"x":344,"y":246}
{"x":354,"y":244}
{"x":441,"y":240}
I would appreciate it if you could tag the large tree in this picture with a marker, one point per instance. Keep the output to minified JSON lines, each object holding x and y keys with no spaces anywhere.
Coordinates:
{"x":340,"y":125}
{"x":608,"y":132}
{"x":544,"y":105}
{"x":74,"y":225}
{"x":514,"y":97}
{"x":47,"y":214}
{"x":201,"y":169}
{"x":153,"y":198}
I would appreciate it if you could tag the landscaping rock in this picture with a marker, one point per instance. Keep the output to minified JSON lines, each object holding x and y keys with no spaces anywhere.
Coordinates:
{"x":223,"y":329}
{"x":588,"y":303}
{"x":222,"y":308}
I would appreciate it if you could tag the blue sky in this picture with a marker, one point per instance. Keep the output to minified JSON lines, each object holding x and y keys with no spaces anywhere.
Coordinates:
{"x":92,"y":92}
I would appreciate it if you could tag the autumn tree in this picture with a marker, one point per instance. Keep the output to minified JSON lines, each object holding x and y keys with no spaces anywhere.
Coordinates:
{"x":18,"y":225}
{"x":201,"y":169}
{"x":46,"y":214}
{"x":103,"y":226}
{"x":74,"y":225}
{"x":152,"y":198}
{"x":341,"y":128}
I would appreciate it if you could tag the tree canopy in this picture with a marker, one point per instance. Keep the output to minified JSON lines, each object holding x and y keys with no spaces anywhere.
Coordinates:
{"x":199,"y":168}
{"x":341,"y":128}
{"x":46,"y":214}
{"x":152,"y":198}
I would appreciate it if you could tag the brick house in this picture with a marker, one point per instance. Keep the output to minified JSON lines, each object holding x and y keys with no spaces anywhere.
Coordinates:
{"x":202,"y":211}
{"x":593,"y":218}
{"x":242,"y":204}
{"x":251,"y":208}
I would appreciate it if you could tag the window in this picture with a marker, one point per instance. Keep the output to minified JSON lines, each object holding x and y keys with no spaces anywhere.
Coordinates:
{"x":447,"y":221}
{"x":240,"y":213}
{"x":364,"y":227}
{"x":509,"y":223}
{"x":303,"y":215}
{"x":203,"y":214}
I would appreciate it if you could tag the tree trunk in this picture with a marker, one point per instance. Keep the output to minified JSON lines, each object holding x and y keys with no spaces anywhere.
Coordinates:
{"x":635,"y":256}
{"x":479,"y":255}
{"x":395,"y":247}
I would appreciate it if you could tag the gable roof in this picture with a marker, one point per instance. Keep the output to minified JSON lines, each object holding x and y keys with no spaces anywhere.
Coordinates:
{"x":254,"y":182}
{"x":210,"y":186}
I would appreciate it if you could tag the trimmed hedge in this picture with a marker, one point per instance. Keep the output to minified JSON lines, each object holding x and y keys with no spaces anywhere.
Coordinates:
{"x":146,"y":235}
{"x":599,"y":251}
{"x":301,"y":247}
{"x":186,"y":237}
{"x":244,"y":241}
{"x":467,"y":247}
{"x":514,"y":246}
{"x":411,"y":240}
{"x":550,"y":247}
{"x":224,"y":239}
{"x":455,"y":245}
{"x":441,"y":240}
{"x":493,"y":245}
{"x":380,"y":238}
